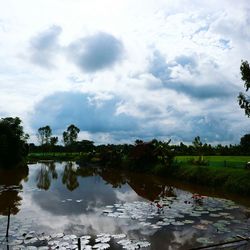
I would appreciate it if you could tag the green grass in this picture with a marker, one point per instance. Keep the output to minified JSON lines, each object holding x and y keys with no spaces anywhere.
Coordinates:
{"x":235,"y":180}
{"x":54,"y":156}
{"x":217,"y":161}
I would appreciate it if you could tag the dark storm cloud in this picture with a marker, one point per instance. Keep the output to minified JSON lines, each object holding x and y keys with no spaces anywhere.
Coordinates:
{"x":44,"y":46}
{"x":64,"y":108}
{"x":96,"y":52}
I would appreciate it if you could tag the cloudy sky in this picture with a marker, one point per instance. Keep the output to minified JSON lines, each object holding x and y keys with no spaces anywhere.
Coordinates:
{"x":121,"y":70}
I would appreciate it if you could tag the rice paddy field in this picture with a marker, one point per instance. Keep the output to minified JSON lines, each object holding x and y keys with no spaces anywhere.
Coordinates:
{"x":218,"y":161}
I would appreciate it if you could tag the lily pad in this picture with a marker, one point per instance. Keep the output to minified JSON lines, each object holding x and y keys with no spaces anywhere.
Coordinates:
{"x":205,"y":240}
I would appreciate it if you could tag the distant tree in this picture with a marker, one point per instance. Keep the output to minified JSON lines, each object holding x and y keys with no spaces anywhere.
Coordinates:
{"x":198,"y":147}
{"x":44,"y":135}
{"x":13,"y":141}
{"x":70,"y":135}
{"x":138,"y":141}
{"x":243,"y":99}
{"x":245,"y":142}
{"x":53,"y":141}
{"x":183,"y":148}
{"x":85,"y":146}
{"x":147,"y":154}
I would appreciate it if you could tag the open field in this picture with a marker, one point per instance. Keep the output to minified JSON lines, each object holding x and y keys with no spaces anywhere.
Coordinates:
{"x":217,"y":161}
{"x":57,"y":156}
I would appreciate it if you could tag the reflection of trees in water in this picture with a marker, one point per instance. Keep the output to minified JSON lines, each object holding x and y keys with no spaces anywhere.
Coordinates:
{"x":86,"y":171}
{"x":69,"y":177}
{"x":46,"y":173}
{"x":115,"y":178}
{"x":9,"y":198}
{"x":148,"y":187}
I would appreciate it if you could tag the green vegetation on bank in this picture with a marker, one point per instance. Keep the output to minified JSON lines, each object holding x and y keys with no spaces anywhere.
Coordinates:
{"x":216,"y":161}
{"x":228,"y":179}
{"x":56,"y":156}
{"x":228,"y":173}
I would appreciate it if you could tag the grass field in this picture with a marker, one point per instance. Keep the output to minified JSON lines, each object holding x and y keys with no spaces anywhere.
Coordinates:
{"x":54,"y":156}
{"x":217,"y":161}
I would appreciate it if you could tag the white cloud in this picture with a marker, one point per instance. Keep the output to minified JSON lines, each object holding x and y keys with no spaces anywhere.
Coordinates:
{"x":180,"y":62}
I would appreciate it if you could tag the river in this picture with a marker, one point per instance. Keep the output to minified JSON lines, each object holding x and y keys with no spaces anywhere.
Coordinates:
{"x":54,"y":204}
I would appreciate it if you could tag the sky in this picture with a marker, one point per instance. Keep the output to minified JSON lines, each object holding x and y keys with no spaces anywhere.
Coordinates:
{"x":126,"y":70}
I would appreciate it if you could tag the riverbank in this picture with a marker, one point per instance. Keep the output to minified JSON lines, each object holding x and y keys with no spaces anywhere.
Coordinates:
{"x":233,"y":178}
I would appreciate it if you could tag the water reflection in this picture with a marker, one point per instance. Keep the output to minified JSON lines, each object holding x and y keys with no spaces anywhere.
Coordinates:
{"x":10,"y":188}
{"x":68,"y":198}
{"x":145,"y":186}
{"x":45,"y":174}
{"x":69,"y":177}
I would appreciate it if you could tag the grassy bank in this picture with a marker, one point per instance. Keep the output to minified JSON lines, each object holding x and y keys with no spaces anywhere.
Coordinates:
{"x":234,"y":180}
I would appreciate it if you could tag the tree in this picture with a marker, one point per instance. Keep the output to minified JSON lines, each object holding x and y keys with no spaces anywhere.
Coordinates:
{"x":198,"y":147}
{"x":243,"y":99}
{"x":13,"y":141}
{"x":70,"y":135}
{"x":85,"y":146}
{"x":245,"y":143}
{"x":53,"y":141}
{"x":44,"y":135}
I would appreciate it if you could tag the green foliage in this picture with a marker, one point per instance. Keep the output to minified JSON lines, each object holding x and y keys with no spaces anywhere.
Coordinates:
{"x":44,"y":135}
{"x":13,"y":146}
{"x":70,"y":135}
{"x":53,"y":141}
{"x":243,"y":99}
{"x":245,"y":143}
{"x":200,"y":161}
{"x":198,"y":145}
{"x":229,"y":179}
{"x":197,"y":142}
{"x":145,"y":155}
{"x":216,"y":161}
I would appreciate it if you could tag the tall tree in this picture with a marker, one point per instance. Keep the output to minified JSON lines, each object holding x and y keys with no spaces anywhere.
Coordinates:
{"x":44,"y":135}
{"x":70,"y":135}
{"x":13,"y":146}
{"x":243,"y":99}
{"x":198,"y":145}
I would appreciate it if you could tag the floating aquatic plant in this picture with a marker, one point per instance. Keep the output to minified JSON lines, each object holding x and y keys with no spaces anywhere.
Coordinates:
{"x":205,"y":240}
{"x":101,"y":246}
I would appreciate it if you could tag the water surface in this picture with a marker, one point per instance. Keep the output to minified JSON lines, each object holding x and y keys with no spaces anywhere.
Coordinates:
{"x":56,"y":203}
